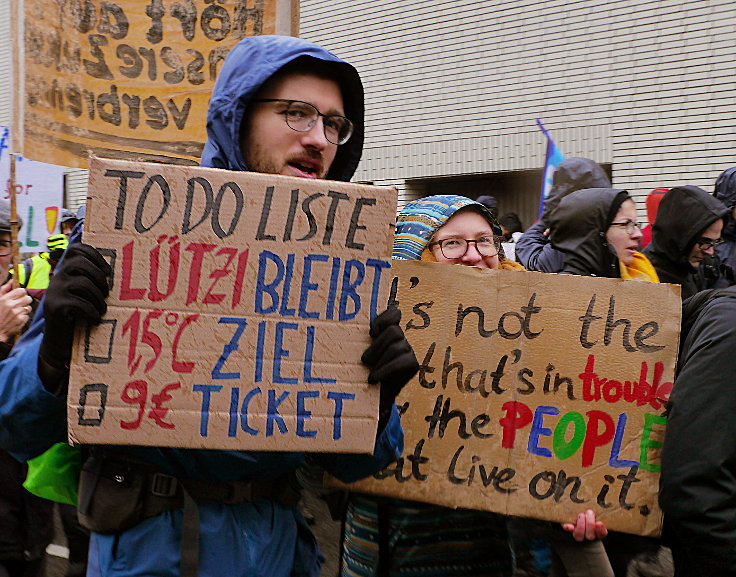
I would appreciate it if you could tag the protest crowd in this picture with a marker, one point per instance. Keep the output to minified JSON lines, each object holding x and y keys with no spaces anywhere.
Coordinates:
{"x":285,"y":106}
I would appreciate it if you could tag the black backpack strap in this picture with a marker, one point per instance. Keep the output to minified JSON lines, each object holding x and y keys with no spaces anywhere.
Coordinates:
{"x":189,"y":556}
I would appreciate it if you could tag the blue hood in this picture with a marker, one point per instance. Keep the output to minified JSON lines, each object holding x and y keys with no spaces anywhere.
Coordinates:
{"x":421,"y":218}
{"x":248,"y":65}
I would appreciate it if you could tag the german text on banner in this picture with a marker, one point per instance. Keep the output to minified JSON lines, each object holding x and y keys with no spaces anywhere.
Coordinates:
{"x":239,"y":309}
{"x":539,"y":395}
{"x":130,"y":78}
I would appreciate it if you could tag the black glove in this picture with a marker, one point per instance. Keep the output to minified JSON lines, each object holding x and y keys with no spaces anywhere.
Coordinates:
{"x":76,"y":293}
{"x":390,"y":358}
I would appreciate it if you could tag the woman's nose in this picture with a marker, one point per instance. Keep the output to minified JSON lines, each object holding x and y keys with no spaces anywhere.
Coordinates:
{"x":472,"y":255}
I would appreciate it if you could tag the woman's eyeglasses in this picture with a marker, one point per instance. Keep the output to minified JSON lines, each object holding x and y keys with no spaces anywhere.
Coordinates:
{"x":457,"y":247}
{"x":630,"y":226}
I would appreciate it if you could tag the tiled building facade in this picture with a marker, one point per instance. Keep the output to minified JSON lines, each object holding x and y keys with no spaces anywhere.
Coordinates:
{"x":454,"y":88}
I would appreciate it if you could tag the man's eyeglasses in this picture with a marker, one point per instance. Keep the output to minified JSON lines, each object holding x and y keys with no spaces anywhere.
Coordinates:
{"x":457,"y":247}
{"x":5,"y":247}
{"x":630,"y":226}
{"x":706,"y":243}
{"x":302,"y":116}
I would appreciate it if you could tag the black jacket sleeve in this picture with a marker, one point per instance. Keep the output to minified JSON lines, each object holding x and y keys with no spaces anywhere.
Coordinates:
{"x":698,"y":485}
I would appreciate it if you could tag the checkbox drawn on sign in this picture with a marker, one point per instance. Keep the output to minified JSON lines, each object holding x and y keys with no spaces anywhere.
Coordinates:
{"x":99,"y":355}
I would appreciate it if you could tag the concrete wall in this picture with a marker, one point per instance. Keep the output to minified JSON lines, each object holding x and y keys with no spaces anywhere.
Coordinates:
{"x":454,"y":87}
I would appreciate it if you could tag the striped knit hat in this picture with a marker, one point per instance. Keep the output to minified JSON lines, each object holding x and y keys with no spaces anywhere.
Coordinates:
{"x":419,"y":220}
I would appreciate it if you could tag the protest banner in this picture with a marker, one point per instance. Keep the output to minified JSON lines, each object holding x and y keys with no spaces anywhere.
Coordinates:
{"x":39,"y":194}
{"x":239,"y":309}
{"x":129,"y":78}
{"x":539,"y":395}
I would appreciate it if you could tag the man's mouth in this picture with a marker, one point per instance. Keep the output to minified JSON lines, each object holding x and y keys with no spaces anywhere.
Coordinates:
{"x":305,"y":168}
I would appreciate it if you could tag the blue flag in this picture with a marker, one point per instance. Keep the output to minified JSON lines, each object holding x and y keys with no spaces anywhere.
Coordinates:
{"x":551,"y":161}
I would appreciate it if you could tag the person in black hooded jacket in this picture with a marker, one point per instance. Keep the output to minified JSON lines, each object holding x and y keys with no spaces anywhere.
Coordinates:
{"x":698,"y":483}
{"x":687,"y":229}
{"x":597,"y":231}
{"x":533,"y":249}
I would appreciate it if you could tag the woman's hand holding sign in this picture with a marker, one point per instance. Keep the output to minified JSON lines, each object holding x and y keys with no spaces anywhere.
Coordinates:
{"x":586,"y":528}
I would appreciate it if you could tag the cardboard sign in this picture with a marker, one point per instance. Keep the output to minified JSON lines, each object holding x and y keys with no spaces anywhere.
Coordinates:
{"x":123,"y":77}
{"x":539,"y":395}
{"x":239,"y":309}
{"x":39,"y":195}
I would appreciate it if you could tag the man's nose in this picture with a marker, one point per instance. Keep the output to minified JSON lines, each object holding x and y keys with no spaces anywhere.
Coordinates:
{"x":315,"y":136}
{"x":709,"y":250}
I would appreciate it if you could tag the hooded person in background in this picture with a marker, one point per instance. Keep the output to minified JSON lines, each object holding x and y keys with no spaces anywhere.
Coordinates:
{"x":653,"y":200}
{"x":511,"y":230}
{"x":490,"y":203}
{"x":725,"y":191}
{"x":533,"y":249}
{"x":687,"y":230}
{"x":281,"y":105}
{"x":67,"y":222}
{"x":510,"y":226}
{"x":698,"y":484}
{"x":597,"y":230}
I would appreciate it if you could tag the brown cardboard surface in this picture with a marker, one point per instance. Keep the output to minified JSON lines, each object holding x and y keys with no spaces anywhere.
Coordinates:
{"x":239,"y":309}
{"x":130,"y":78}
{"x":506,"y":415}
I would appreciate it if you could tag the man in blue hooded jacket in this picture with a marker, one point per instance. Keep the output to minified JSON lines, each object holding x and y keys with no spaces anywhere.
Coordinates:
{"x":281,"y":105}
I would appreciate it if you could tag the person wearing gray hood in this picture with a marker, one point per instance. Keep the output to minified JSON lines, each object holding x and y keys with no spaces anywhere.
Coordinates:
{"x":725,"y":191}
{"x":533,"y":249}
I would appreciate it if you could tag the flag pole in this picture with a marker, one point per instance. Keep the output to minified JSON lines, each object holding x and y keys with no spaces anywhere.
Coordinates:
{"x":14,"y":223}
{"x":15,"y":22}
{"x":542,"y":128}
{"x":552,"y":158}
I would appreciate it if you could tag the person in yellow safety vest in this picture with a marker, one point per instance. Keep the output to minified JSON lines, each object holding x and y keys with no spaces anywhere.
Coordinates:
{"x":36,"y":271}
